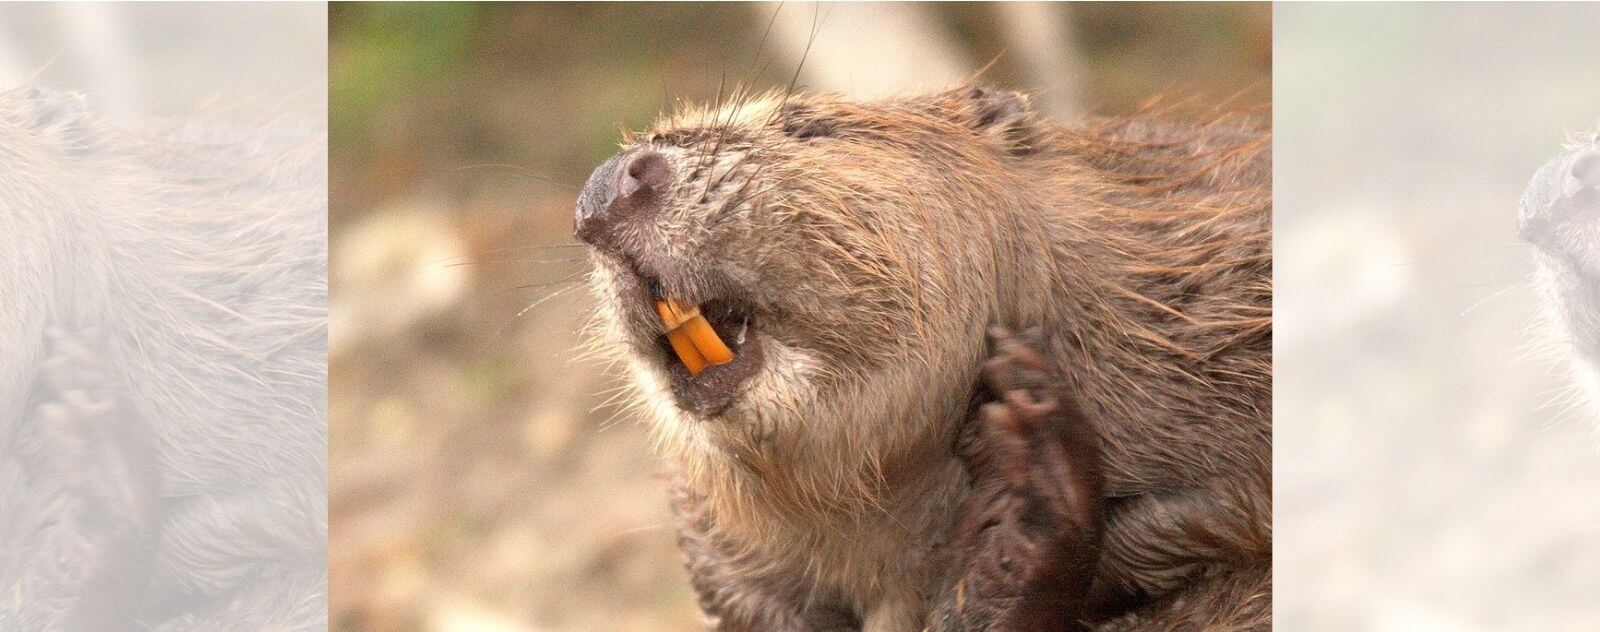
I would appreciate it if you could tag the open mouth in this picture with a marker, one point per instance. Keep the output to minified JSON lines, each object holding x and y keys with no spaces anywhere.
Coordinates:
{"x":708,"y":349}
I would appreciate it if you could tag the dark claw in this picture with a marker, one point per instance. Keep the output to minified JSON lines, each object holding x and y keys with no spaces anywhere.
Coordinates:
{"x":94,"y":451}
{"x":1030,"y":528}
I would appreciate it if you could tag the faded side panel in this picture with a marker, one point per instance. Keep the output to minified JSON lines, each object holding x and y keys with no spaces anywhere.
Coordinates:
{"x":163,"y":297}
{"x":1432,"y":471}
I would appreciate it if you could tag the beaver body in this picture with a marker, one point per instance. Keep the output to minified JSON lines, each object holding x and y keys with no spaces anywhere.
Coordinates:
{"x":854,"y":254}
{"x":1560,"y":216}
{"x":163,"y":461}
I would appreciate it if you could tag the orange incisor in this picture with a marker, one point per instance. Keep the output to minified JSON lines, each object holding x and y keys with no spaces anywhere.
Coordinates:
{"x":691,"y":336}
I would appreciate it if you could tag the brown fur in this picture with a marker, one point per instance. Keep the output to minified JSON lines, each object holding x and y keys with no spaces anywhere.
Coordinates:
{"x":196,"y":250}
{"x":1030,"y":529}
{"x":1558,"y":216}
{"x":875,"y":242}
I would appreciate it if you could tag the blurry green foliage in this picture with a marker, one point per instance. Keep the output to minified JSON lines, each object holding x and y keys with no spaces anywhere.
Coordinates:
{"x":420,"y":91}
{"x":389,"y":50}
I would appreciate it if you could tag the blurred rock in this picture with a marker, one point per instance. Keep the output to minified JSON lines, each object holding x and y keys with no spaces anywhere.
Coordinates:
{"x":392,"y":271}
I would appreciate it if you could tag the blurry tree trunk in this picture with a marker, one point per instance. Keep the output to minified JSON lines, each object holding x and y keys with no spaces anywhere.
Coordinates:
{"x":865,"y":50}
{"x":75,"y":45}
{"x":875,"y":50}
{"x":1039,"y":34}
{"x":96,"y":33}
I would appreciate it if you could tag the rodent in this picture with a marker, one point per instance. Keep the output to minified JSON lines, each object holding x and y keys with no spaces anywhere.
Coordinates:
{"x":163,"y":420}
{"x":856,"y":253}
{"x":1560,"y":216}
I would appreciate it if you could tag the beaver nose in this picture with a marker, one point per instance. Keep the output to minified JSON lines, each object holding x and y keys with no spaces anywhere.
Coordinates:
{"x":1584,"y":172}
{"x":624,"y":187}
{"x":1566,"y":191}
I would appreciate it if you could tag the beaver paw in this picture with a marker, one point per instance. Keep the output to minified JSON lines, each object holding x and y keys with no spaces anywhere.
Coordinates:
{"x":1030,"y":529}
{"x":95,"y":453}
{"x":75,"y":383}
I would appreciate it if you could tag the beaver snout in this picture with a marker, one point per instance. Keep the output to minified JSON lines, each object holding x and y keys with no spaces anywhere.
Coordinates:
{"x":626,"y":188}
{"x":1585,"y":171}
{"x":614,"y":215}
{"x":1563,"y":198}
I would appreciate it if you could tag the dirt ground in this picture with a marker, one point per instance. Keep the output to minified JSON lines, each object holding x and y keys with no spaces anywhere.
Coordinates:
{"x":481,"y":477}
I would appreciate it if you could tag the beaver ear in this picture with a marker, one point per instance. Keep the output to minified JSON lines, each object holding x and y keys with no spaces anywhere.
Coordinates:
{"x":62,"y":117}
{"x":1003,"y":115}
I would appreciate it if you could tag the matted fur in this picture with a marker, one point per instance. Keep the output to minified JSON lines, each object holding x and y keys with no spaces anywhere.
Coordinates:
{"x":1567,"y":240}
{"x":197,"y":249}
{"x":874,"y":243}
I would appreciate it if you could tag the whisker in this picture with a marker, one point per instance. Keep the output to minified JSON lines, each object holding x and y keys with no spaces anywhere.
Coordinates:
{"x":458,"y":261}
{"x":752,"y":200}
{"x":516,"y":261}
{"x":535,"y":286}
{"x":527,"y":248}
{"x":1490,"y":298}
{"x":721,"y":136}
{"x":562,"y":285}
{"x":522,"y":171}
{"x":733,"y":200}
{"x":743,"y":158}
{"x":576,"y":277}
{"x":722,"y":80}
{"x":740,"y":97}
{"x":500,"y":332}
{"x":816,"y":25}
{"x":1516,"y":280}
{"x":761,"y":46}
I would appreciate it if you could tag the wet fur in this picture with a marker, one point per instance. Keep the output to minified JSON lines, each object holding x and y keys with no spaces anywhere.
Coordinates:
{"x":1568,"y":255}
{"x":1030,"y":530}
{"x":197,"y":251}
{"x":876,"y":242}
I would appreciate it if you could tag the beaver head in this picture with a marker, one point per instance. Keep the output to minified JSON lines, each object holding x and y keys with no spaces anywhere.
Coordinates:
{"x":847,"y":253}
{"x":1560,"y":216}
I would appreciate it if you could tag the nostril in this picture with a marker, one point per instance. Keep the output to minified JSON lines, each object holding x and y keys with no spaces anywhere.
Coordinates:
{"x":1584,"y":172}
{"x":1562,"y":200}
{"x":627,"y":187}
{"x":646,"y":171}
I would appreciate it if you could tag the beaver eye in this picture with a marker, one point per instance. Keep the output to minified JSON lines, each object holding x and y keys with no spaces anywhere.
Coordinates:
{"x":802,"y":129}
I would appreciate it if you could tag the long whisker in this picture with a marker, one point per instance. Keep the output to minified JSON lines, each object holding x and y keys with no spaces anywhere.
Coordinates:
{"x":576,"y":277}
{"x":464,"y":259}
{"x":707,"y":157}
{"x":739,"y":163}
{"x":1513,"y":286}
{"x":740,"y":97}
{"x":500,"y":332}
{"x":761,"y":47}
{"x":535,"y":286}
{"x":816,"y":23}
{"x":528,"y":248}
{"x":733,"y":200}
{"x":515,"y":261}
{"x":522,"y":171}
{"x":721,"y":135}
{"x":727,"y":209}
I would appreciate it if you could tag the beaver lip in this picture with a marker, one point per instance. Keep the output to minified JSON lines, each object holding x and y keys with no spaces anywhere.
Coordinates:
{"x":710,"y":393}
{"x":714,"y":389}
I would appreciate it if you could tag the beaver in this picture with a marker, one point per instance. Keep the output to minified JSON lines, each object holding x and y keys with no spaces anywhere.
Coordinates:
{"x":163,"y":424}
{"x":869,"y":458}
{"x":1560,"y":216}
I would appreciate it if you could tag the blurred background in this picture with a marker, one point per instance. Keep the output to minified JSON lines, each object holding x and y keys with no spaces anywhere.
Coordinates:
{"x":481,"y":478}
{"x":137,"y":60}
{"x":1431,"y":472}
{"x":181,"y":84}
